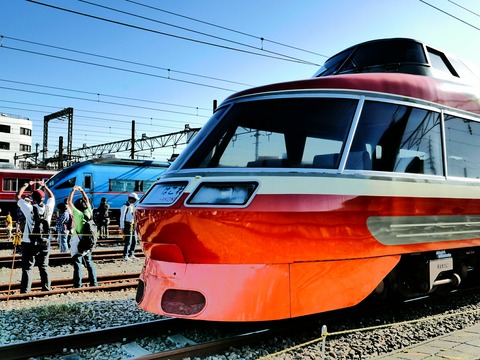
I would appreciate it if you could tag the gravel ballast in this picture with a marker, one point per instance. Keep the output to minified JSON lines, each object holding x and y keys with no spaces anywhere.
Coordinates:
{"x":77,"y":312}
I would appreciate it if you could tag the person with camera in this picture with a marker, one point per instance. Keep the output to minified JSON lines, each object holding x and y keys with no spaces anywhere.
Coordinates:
{"x":82,"y":212}
{"x":36,"y":236}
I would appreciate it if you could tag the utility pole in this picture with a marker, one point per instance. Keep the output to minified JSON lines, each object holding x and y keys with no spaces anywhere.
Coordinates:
{"x":132,"y":150}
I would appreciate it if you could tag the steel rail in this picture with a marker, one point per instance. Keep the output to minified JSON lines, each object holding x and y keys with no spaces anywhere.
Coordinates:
{"x":56,"y":344}
{"x":62,"y":286}
{"x":62,"y":258}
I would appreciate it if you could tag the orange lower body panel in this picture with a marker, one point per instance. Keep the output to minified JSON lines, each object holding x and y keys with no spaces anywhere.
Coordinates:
{"x":261,"y":292}
{"x":330,"y":285}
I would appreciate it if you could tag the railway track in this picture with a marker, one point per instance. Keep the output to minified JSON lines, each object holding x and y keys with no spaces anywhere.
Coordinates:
{"x":6,"y":245}
{"x":57,"y":345}
{"x":65,"y":258}
{"x":267,"y":337}
{"x":61,"y":286}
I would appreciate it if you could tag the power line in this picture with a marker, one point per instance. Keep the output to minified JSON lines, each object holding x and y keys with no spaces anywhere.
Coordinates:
{"x":447,"y":13}
{"x":122,"y":60}
{"x":98,"y":101}
{"x":105,"y":95}
{"x":105,"y":129}
{"x":189,"y":30}
{"x":56,"y":129}
{"x":464,"y":8}
{"x":130,"y":116}
{"x":228,"y":29}
{"x":112,"y":67}
{"x":170,"y":35}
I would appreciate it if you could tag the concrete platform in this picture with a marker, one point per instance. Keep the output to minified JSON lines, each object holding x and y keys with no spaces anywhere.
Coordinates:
{"x":459,"y":345}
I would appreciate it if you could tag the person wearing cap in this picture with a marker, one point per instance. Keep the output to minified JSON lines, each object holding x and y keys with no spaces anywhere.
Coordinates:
{"x":126,"y":224}
{"x":30,"y":253}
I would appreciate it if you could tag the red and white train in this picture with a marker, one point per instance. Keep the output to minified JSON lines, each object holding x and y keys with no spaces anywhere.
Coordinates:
{"x":11,"y":181}
{"x":308,"y":196}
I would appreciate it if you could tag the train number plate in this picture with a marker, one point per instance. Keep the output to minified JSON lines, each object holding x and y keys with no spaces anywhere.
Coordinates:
{"x":164,"y":193}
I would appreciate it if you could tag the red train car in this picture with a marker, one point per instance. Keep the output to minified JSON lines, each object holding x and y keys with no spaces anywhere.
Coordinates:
{"x":308,"y":196}
{"x":12,"y":179}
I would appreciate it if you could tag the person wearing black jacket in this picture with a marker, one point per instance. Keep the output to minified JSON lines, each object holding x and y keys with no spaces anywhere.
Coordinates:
{"x":102,"y":218}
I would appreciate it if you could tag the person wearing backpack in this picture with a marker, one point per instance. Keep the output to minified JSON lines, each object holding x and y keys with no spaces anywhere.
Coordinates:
{"x":36,"y":235}
{"x":63,"y":226}
{"x":82,"y":218}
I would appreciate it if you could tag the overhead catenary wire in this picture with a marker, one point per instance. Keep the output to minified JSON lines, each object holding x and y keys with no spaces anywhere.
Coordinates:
{"x":261,"y":38}
{"x":169,"y":70}
{"x":130,"y":116}
{"x":97,"y":101}
{"x":263,"y":54}
{"x":453,"y":16}
{"x":105,"y":95}
{"x":464,"y":8}
{"x":113,"y":68}
{"x":105,"y":127}
{"x":102,"y":96}
{"x":191,"y":30}
{"x":56,"y":129}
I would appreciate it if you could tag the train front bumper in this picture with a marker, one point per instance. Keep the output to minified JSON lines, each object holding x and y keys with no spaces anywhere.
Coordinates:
{"x":257,"y":292}
{"x":216,"y":292}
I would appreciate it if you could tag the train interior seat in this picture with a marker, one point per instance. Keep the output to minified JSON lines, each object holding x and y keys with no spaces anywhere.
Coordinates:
{"x":359,"y":160}
{"x":415,"y":166}
{"x":326,"y":161}
{"x":268,"y":162}
{"x":409,"y":164}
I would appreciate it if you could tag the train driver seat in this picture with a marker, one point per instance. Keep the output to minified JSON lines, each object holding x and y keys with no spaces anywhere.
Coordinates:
{"x":326,"y":161}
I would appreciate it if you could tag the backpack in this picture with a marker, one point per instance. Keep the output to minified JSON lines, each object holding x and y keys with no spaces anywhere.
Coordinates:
{"x":40,"y":234}
{"x":69,"y":224}
{"x":89,"y":236}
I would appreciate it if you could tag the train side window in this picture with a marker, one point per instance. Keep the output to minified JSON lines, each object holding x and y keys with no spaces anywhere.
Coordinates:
{"x":440,"y":63}
{"x":402,"y":138}
{"x":462,"y":138}
{"x":67,"y":183}
{"x":8,"y":184}
{"x":122,"y":185}
{"x":13,"y":184}
{"x":87,"y":181}
{"x":19,"y":183}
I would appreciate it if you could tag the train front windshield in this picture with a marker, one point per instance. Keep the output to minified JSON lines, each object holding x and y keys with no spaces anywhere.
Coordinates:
{"x":280,"y":132}
{"x":312,"y":132}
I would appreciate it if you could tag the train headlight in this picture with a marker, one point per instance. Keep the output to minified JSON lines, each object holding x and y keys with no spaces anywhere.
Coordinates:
{"x":237,"y":193}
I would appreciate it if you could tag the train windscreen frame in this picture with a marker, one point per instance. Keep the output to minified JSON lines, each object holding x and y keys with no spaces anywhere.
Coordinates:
{"x":312,"y":132}
{"x":285,"y":132}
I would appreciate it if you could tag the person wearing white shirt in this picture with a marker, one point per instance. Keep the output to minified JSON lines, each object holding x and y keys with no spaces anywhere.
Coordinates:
{"x":127,"y":214}
{"x":32,"y":253}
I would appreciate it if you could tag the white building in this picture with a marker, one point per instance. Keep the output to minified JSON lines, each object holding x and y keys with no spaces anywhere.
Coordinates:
{"x":15,"y":139}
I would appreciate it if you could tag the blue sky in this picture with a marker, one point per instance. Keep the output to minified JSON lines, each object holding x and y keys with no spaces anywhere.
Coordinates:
{"x":165,"y":76}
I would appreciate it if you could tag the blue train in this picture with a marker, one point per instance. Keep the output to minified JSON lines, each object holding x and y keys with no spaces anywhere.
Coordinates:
{"x":111,"y":178}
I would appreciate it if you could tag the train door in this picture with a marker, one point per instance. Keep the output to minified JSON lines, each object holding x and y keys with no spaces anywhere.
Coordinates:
{"x":88,"y":186}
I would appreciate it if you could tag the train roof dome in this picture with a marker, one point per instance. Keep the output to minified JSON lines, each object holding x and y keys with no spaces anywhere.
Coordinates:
{"x":398,"y":55}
